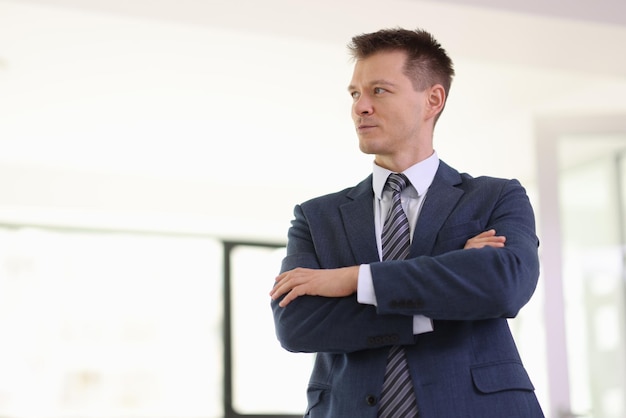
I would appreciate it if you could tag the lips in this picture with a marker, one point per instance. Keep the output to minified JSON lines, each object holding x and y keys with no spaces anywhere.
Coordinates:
{"x":364,"y":129}
{"x":365,"y":126}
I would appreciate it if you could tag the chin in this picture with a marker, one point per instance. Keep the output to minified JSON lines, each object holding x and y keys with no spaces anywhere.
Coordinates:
{"x":367,"y":147}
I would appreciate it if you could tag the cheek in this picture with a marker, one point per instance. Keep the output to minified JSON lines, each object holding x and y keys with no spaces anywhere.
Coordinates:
{"x":407,"y":118}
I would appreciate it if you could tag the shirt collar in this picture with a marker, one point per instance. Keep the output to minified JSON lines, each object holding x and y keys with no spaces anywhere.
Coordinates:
{"x":420,"y":175}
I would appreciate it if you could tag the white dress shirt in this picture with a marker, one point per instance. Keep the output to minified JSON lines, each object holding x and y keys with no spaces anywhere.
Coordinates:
{"x":421,"y":176}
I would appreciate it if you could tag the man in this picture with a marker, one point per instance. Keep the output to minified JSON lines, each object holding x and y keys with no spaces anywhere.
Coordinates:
{"x":442,"y":309}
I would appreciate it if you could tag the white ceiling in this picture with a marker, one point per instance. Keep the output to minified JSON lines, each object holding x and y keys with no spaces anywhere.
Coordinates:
{"x":196,"y":89}
{"x":533,"y":33}
{"x":600,"y":11}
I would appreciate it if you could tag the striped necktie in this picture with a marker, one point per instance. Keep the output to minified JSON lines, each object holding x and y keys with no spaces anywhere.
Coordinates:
{"x":398,"y":397}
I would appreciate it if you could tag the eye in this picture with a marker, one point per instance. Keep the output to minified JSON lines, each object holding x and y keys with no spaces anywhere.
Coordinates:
{"x":355,"y":94}
{"x":379,"y":90}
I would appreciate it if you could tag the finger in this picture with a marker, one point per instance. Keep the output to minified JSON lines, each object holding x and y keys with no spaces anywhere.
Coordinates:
{"x":291,"y":296}
{"x":282,"y":285}
{"x":490,"y":239}
{"x":282,"y":276}
{"x":287,"y":299}
{"x":483,"y":242}
{"x":282,"y":279}
{"x":281,"y":290}
{"x":493,"y":242}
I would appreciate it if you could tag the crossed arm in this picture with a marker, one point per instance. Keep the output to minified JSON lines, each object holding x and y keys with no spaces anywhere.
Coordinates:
{"x":343,"y":281}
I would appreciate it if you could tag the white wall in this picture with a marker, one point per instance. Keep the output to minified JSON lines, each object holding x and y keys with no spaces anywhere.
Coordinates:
{"x":121,"y":121}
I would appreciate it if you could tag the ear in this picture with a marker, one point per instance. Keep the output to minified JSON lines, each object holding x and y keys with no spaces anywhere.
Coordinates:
{"x":435,"y":100}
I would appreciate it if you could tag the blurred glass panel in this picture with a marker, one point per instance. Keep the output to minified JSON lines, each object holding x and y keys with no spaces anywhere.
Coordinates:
{"x":592,"y":220}
{"x":109,"y":325}
{"x":266,"y":378}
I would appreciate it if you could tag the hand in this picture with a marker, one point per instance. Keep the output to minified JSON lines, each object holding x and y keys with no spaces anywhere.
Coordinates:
{"x":302,"y":281}
{"x":485,"y":239}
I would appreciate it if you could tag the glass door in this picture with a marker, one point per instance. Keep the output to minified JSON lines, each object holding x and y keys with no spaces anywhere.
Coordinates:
{"x":591,"y":185}
{"x":581,"y":167}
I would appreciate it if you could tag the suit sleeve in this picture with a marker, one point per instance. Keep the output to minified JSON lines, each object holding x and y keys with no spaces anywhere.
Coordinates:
{"x":337,"y":325}
{"x":448,"y":283}
{"x":475,"y":284}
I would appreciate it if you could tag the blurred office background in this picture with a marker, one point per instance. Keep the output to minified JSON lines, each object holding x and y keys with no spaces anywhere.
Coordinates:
{"x":151,"y":153}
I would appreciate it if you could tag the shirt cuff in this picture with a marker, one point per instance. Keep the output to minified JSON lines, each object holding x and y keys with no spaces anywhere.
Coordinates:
{"x":365,"y":286}
{"x":422,"y":324}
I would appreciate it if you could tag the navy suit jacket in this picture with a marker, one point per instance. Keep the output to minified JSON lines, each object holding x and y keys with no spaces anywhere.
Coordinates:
{"x":469,"y":366}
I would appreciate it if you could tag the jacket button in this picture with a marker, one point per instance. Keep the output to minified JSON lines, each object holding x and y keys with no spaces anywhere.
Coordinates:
{"x":371,"y":400}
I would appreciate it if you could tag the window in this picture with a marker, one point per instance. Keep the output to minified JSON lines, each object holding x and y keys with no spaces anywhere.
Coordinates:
{"x":581,"y":191}
{"x":263,"y":379}
{"x":97,"y":324}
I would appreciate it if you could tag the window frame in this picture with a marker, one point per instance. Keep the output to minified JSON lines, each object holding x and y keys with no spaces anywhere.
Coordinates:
{"x":229,"y":410}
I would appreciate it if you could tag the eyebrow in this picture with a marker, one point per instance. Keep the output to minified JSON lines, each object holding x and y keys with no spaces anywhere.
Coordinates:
{"x":380,"y":82}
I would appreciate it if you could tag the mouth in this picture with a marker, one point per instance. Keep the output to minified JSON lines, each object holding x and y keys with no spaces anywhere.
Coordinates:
{"x":365,"y":127}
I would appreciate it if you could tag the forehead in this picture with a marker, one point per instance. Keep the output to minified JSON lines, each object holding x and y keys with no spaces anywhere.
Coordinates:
{"x":380,"y":66}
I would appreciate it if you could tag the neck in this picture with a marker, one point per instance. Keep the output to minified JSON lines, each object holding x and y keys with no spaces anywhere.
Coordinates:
{"x":399,"y":163}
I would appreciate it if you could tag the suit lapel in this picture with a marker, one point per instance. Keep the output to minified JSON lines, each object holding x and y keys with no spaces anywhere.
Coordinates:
{"x":358,"y":219}
{"x":358,"y":215}
{"x":441,"y":198}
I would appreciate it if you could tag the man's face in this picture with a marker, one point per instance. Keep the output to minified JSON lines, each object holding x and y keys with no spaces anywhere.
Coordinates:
{"x":388,"y":112}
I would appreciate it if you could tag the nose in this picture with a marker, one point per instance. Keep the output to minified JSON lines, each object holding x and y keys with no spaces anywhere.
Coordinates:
{"x":362,"y":106}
